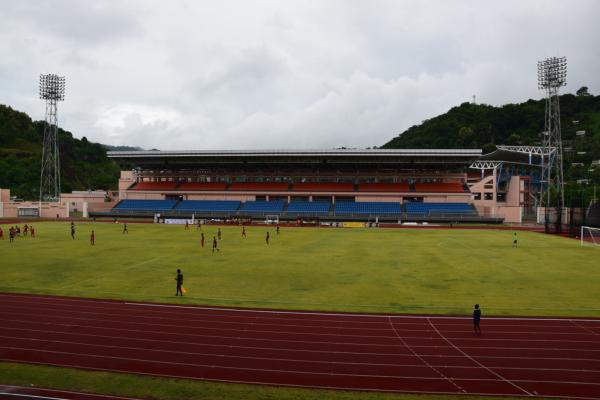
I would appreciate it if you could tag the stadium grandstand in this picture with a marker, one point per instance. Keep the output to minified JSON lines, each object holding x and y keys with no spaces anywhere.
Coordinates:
{"x":400,"y":185}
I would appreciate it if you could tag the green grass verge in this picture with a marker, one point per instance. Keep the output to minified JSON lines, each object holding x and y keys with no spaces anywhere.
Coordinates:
{"x":377,"y":270}
{"x":144,"y":387}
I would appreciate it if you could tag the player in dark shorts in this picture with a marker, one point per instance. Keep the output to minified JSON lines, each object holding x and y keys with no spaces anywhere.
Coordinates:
{"x":93,"y":238}
{"x":219,"y":234}
{"x":202,"y":239}
{"x":278,"y":229}
{"x":199,"y":226}
{"x":25,"y":230}
{"x":72,"y":230}
{"x":267,"y":237}
{"x":243,"y":231}
{"x":179,"y":280}
{"x":476,"y":319}
{"x":187,"y":226}
{"x":514,"y":240}
{"x":32,"y":231}
{"x":125,"y":230}
{"x":11,"y":234}
{"x":215,"y":244}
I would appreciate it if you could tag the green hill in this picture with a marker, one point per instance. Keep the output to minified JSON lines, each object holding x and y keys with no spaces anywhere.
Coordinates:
{"x":84,"y":164}
{"x":484,"y":126}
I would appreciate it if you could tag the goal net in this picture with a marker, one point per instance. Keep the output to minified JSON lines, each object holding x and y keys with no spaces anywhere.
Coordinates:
{"x":590,"y":235}
{"x":272,"y":219}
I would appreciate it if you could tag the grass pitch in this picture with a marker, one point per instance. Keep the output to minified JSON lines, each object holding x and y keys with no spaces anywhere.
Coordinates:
{"x":372,"y":270}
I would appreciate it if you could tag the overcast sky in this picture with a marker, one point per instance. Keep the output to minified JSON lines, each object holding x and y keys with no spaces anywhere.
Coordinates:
{"x":283,"y":74}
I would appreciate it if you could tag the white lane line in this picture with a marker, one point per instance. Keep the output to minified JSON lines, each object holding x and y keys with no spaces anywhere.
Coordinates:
{"x":95,"y":322}
{"x":31,"y":396}
{"x":308,"y":361}
{"x":16,"y":310}
{"x":273,"y":383}
{"x":425,"y":361}
{"x":585,"y":328}
{"x":417,"y":318}
{"x":136,"y":331}
{"x":300,"y":313}
{"x":477,"y":362}
{"x":170,"y":342}
{"x":4,"y":387}
{"x":357,"y":335}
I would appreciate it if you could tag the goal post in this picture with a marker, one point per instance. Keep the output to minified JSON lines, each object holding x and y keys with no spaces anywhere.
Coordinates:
{"x":590,"y":235}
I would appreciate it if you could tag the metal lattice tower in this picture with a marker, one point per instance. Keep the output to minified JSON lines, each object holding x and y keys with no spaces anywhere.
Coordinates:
{"x":52,"y":89}
{"x":552,"y":74}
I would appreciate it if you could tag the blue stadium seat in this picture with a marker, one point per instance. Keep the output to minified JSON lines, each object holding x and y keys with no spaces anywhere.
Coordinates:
{"x":439,"y":208}
{"x":263,"y":206}
{"x":374,"y":208}
{"x":145,"y":205}
{"x":312,"y":207}
{"x":208,"y":205}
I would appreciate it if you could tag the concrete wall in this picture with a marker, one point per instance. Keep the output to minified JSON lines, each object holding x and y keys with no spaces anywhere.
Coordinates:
{"x":48,"y":210}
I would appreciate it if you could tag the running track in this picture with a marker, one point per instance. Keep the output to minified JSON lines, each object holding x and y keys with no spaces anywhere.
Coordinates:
{"x":549,"y":357}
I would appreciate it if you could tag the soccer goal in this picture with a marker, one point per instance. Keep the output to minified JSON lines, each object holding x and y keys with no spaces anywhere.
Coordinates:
{"x":272,"y":219}
{"x":590,"y":235}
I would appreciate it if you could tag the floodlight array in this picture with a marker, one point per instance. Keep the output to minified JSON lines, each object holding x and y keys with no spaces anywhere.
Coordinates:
{"x":52,"y":87}
{"x":552,"y":72}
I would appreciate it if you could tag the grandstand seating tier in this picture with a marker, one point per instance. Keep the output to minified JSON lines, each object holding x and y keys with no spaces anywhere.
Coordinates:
{"x":208,"y":205}
{"x":445,"y":187}
{"x":155,"y":186}
{"x":312,"y":207}
{"x":259,"y":186}
{"x":323,"y":187}
{"x":439,"y":208}
{"x":263,"y":206}
{"x":145,"y":205}
{"x":356,"y":207}
{"x":384,"y":187}
{"x":202,"y":186}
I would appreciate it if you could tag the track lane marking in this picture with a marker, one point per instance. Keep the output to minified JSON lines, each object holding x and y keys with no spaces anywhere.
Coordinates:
{"x":477,"y":362}
{"x":297,"y":350}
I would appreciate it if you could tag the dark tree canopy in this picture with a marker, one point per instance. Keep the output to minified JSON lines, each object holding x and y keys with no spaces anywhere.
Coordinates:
{"x":84,"y":164}
{"x":482,"y":126}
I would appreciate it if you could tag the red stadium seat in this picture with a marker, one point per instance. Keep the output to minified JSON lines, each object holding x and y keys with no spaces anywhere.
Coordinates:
{"x":260,"y":186}
{"x":384,"y":187}
{"x":323,"y":187}
{"x":155,"y":186}
{"x":439,"y":187}
{"x":199,"y":186}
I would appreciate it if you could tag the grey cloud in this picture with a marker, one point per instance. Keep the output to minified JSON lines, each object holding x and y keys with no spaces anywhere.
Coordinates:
{"x":269,"y":74}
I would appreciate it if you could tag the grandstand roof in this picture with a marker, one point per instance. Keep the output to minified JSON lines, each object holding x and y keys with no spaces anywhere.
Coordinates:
{"x":183,"y":158}
{"x":514,"y":157}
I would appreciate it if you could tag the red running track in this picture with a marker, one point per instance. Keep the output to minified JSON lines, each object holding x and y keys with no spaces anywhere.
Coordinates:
{"x":545,"y":357}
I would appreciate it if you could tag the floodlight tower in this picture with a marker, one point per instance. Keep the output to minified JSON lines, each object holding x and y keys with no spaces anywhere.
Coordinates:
{"x":552,"y":74}
{"x":52,"y":89}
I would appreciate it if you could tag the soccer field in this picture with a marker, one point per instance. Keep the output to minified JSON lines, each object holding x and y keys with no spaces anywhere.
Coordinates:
{"x":368,"y":270}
